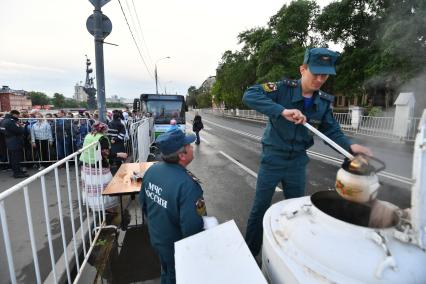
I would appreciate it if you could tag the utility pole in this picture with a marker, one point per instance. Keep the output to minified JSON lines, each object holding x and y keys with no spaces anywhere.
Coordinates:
{"x":100,"y":27}
{"x":156,"y":80}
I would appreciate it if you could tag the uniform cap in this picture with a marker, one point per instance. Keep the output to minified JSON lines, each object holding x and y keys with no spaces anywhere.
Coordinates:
{"x":321,"y":60}
{"x":172,"y":140}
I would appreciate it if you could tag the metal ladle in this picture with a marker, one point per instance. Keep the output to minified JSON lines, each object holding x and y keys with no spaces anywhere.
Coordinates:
{"x":329,"y":141}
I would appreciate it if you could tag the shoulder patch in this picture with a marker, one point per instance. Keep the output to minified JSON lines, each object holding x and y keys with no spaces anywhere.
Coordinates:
{"x":290,"y":83}
{"x":326,"y":96}
{"x":269,"y":87}
{"x":200,"y":205}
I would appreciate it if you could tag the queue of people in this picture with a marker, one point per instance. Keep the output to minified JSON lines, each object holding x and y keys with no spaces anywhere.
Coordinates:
{"x":39,"y":140}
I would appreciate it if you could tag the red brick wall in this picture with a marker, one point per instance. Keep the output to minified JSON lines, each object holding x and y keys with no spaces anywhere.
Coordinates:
{"x":5,"y":102}
{"x":9,"y":101}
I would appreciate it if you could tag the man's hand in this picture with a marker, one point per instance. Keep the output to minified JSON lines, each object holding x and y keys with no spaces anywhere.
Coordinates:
{"x":358,"y":149}
{"x":34,"y":145}
{"x":294,"y":115}
{"x":122,"y":155}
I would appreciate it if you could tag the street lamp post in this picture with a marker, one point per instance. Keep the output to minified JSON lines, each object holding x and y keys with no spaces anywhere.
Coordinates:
{"x":156,"y":76}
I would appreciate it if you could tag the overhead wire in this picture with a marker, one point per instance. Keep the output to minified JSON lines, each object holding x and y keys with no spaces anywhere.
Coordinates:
{"x":134,"y":40}
{"x":143,"y":39}
{"x":141,"y":34}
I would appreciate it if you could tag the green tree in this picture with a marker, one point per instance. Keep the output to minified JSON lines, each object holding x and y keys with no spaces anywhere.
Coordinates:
{"x":234,"y":75}
{"x":268,"y":54}
{"x":58,"y":100}
{"x":191,"y":99}
{"x":39,"y":98}
{"x":204,"y":100}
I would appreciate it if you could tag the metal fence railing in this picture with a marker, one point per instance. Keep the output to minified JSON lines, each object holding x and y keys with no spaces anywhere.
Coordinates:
{"x":141,"y":137}
{"x":382,"y":127}
{"x":47,"y":140}
{"x":63,"y":211}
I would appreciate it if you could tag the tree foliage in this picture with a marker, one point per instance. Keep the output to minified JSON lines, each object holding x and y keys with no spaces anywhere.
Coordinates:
{"x":383,"y":45}
{"x":39,"y":98}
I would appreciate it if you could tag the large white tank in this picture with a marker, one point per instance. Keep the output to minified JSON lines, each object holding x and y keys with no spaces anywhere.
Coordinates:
{"x":325,"y":239}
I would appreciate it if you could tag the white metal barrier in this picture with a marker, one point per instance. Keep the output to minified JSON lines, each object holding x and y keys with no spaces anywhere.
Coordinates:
{"x":76,"y":213}
{"x":144,"y":140}
{"x":142,"y":136}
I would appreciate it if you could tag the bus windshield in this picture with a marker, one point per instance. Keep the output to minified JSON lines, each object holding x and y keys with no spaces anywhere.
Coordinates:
{"x":164,"y":111}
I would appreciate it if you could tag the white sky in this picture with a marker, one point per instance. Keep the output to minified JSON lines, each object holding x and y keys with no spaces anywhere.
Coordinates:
{"x":43,"y":42}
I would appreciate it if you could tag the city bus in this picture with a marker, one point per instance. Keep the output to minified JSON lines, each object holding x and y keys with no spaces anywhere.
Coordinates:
{"x":163,"y":108}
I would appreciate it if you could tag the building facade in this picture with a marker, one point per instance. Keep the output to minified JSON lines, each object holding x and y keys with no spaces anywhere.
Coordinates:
{"x":79,"y":94}
{"x":14,"y":99}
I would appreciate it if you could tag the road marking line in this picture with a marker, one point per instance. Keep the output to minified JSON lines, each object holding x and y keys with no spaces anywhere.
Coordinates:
{"x":235,"y":131}
{"x":249,"y":171}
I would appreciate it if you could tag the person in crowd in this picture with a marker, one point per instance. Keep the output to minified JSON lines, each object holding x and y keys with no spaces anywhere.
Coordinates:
{"x":41,"y":139}
{"x":172,"y":199}
{"x":173,"y":125}
{"x":116,"y":134}
{"x":63,"y":135}
{"x":84,"y":129}
{"x":90,"y":118}
{"x":92,"y":185}
{"x":3,"y":149}
{"x":75,"y":133}
{"x":24,"y":114}
{"x":126,"y":124}
{"x":109,"y":116}
{"x":289,"y":104}
{"x":197,"y":126}
{"x":29,"y":120}
{"x":126,"y":114}
{"x":14,"y":131}
{"x":52,"y":150}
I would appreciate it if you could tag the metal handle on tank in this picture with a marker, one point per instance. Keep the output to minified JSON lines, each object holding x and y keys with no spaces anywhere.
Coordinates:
{"x":329,"y":141}
{"x":382,"y":167}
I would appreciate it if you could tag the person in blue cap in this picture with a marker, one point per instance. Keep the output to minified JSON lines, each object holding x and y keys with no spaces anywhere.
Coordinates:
{"x":172,"y":199}
{"x":289,"y":104}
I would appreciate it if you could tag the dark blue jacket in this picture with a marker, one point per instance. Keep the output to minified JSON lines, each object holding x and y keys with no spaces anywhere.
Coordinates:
{"x":14,"y":134}
{"x":173,"y":202}
{"x":282,"y":135}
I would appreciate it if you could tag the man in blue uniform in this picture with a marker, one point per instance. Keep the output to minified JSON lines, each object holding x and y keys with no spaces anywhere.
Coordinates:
{"x":172,"y":199}
{"x":289,"y":104}
{"x":14,"y":136}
